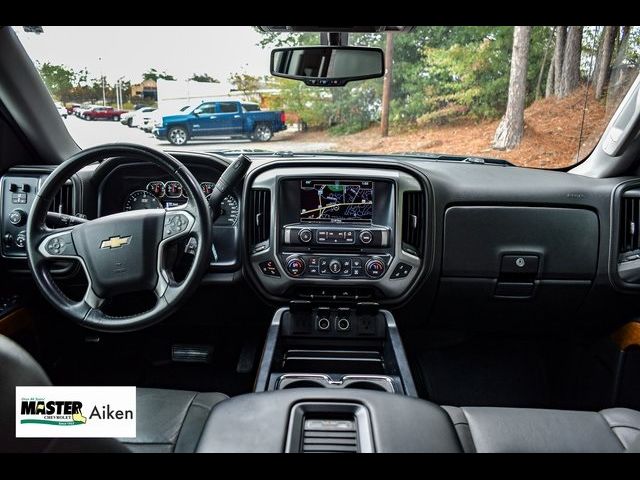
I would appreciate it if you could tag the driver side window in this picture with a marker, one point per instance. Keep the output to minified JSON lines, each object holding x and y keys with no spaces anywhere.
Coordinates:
{"x":206,"y":109}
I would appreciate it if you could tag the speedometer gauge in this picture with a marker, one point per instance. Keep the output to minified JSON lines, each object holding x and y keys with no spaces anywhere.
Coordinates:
{"x":228,"y":211}
{"x":141,"y":200}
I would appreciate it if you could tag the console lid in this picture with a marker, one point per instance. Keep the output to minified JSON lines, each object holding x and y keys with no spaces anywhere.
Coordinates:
{"x":265,"y":422}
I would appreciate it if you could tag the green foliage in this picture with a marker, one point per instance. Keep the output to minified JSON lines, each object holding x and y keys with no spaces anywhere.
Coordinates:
{"x":58,"y":79}
{"x":205,"y":77}
{"x":153,"y":74}
{"x":247,"y":84}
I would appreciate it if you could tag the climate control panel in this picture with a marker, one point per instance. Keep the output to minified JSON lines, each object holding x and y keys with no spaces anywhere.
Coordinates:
{"x":335,"y":266}
{"x":361,"y":236}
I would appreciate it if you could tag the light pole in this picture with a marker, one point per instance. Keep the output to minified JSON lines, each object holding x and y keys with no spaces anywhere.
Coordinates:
{"x":104,"y":100}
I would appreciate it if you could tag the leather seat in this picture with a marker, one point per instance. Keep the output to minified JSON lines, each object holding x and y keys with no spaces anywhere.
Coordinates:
{"x":167,"y":420}
{"x":524,"y":430}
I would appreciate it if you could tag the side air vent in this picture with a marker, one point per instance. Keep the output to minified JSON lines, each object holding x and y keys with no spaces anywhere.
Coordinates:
{"x":413,"y":222}
{"x":260,"y":219}
{"x":329,"y":436}
{"x":63,"y":201}
{"x":629,"y":237}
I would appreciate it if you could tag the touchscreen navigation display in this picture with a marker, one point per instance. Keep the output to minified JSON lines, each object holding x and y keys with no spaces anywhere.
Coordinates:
{"x":336,"y":201}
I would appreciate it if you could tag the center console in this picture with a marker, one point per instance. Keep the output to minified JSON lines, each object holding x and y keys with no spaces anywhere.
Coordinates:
{"x":334,"y":348}
{"x":335,"y":234}
{"x":331,"y":380}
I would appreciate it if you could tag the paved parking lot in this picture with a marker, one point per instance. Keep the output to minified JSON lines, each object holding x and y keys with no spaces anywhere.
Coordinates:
{"x":90,"y":133}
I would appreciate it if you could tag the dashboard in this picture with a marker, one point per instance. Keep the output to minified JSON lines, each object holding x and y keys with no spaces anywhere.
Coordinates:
{"x":512,"y":242}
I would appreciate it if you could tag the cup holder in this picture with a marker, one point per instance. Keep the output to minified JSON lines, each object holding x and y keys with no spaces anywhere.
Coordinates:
{"x":381,"y":383}
{"x":366,"y":385}
{"x":300,"y":384}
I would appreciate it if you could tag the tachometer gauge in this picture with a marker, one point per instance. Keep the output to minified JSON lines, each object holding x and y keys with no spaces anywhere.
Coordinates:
{"x":207,"y":188}
{"x":141,"y":200}
{"x":173,"y":189}
{"x":228,"y":211}
{"x":157,"y":188}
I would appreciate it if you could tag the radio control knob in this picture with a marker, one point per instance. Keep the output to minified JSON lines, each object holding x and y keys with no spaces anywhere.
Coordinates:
{"x":375,"y":268}
{"x":295,"y":266}
{"x":335,"y":266}
{"x":365,"y":237}
{"x":305,"y":235}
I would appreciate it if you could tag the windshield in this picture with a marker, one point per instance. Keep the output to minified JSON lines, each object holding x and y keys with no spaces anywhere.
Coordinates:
{"x":534,"y":96}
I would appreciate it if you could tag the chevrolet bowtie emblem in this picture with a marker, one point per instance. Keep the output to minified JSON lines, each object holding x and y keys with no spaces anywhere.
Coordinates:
{"x":115,"y":242}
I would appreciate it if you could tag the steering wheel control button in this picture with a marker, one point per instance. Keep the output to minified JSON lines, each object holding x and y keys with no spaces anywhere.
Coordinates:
{"x":401,"y":270}
{"x":365,"y":237}
{"x":60,"y":245}
{"x":375,"y":268}
{"x":305,"y":235}
{"x":17,"y":217}
{"x":295,"y":266}
{"x":269,"y":268}
{"x":520,"y":264}
{"x":174,"y":224}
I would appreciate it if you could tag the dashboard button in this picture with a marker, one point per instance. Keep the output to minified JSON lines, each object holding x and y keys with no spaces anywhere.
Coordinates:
{"x":401,"y":270}
{"x":335,"y":266}
{"x":269,"y":268}
{"x":313,"y":261}
{"x":313,"y":270}
{"x":356,"y":262}
{"x":305,"y":235}
{"x":295,"y":266}
{"x":17,"y":217}
{"x":21,"y":239}
{"x":375,"y":268}
{"x":365,"y":237}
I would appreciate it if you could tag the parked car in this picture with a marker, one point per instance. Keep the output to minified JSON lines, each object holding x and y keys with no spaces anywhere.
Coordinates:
{"x":106,"y":113}
{"x":135,"y":118}
{"x":81,"y":109}
{"x":71,"y":107}
{"x":224,"y":118}
{"x":61,"y":109}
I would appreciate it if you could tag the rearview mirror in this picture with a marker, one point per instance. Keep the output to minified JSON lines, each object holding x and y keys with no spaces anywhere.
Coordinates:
{"x":327,"y":66}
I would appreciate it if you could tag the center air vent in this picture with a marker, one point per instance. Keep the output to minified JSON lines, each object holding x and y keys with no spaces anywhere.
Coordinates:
{"x":413,"y":222}
{"x":259,"y":219}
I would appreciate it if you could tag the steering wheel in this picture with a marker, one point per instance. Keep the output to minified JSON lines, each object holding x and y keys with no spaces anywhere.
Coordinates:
{"x":120,"y":253}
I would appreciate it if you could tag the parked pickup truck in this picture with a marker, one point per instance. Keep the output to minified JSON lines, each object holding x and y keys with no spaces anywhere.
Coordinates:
{"x":223,"y":118}
{"x":108,"y":113}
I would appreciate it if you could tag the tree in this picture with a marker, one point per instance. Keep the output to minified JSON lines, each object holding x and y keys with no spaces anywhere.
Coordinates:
{"x":58,"y":79}
{"x":604,"y":60}
{"x":558,"y":59}
{"x":205,"y":77}
{"x":153,"y":74}
{"x":386,"y":88}
{"x":511,"y":128}
{"x":544,"y":63}
{"x":571,"y":61}
{"x":245,"y":83}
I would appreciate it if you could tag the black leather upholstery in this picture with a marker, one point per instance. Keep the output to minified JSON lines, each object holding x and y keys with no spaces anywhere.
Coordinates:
{"x":509,"y":430}
{"x":168,"y":420}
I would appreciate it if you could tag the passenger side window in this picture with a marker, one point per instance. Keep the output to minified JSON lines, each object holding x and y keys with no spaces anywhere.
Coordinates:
{"x":205,"y":109}
{"x":228,"y":107}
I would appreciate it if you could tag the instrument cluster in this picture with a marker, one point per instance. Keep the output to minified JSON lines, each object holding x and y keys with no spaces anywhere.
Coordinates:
{"x":159,"y":194}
